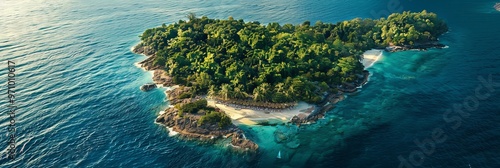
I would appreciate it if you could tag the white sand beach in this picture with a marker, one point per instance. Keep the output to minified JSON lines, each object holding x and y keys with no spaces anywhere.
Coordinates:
{"x":253,"y":116}
{"x":370,"y":57}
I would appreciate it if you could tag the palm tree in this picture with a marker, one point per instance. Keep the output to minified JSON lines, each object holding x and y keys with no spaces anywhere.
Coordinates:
{"x":279,"y":87}
{"x":262,"y":92}
{"x":191,"y":16}
{"x":212,"y":92}
{"x":239,"y":93}
{"x":266,"y":90}
{"x":225,"y":91}
{"x":256,"y":94}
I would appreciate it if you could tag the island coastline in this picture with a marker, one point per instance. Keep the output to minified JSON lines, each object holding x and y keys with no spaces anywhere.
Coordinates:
{"x":247,"y":110}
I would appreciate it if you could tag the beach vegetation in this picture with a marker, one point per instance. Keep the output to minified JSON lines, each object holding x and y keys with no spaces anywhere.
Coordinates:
{"x":214,"y":117}
{"x":192,"y":107}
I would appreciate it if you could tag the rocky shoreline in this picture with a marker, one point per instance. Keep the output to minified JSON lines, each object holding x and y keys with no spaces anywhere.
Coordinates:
{"x":187,"y":125}
{"x":160,"y":76}
{"x":188,"y":128}
{"x":419,"y":46}
{"x":330,"y":100}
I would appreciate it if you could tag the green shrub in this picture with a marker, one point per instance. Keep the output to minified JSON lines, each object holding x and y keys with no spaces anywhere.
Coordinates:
{"x":185,"y":95}
{"x":213,"y":117}
{"x":193,"y":107}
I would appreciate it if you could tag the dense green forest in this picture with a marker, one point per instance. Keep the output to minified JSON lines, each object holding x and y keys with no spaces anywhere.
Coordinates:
{"x":233,"y":59}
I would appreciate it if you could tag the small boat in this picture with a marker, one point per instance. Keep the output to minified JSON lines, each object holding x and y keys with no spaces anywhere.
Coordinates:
{"x":497,"y":6}
{"x":279,"y":155}
{"x":148,"y":86}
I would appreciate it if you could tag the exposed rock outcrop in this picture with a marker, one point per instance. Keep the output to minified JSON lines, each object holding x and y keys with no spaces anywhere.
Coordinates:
{"x":240,"y":141}
{"x":188,"y":126}
{"x":160,"y":76}
{"x":330,"y":100}
{"x":419,"y":46}
{"x":148,"y":87}
{"x":150,"y":53}
{"x":141,"y":49}
{"x":174,"y":94}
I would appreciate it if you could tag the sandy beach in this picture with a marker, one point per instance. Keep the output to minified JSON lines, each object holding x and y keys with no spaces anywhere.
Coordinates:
{"x":370,"y":57}
{"x":253,"y":116}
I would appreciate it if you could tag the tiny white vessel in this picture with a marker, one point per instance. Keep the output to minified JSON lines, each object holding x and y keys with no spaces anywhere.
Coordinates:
{"x":279,"y":155}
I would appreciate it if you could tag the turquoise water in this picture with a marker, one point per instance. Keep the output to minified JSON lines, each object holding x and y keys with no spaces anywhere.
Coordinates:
{"x":80,"y":106}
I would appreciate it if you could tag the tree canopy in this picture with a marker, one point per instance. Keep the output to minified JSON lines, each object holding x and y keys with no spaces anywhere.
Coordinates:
{"x":233,"y":59}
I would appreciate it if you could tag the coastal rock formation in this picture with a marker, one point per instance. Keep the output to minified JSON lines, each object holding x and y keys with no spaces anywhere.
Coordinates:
{"x":188,"y":126}
{"x":148,"y":87}
{"x":160,"y":77}
{"x":240,"y":141}
{"x":147,"y":64}
{"x":141,"y":49}
{"x":159,"y":74}
{"x":174,"y":95}
{"x":420,"y":46}
{"x":330,"y":100}
{"x":150,"y":53}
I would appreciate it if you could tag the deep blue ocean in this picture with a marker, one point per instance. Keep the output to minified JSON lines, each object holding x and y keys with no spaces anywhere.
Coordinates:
{"x":80,"y":105}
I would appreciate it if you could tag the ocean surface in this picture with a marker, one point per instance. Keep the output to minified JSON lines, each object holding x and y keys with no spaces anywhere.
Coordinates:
{"x":80,"y":105}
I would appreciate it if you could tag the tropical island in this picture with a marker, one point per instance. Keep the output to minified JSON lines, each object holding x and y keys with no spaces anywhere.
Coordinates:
{"x":216,"y":69}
